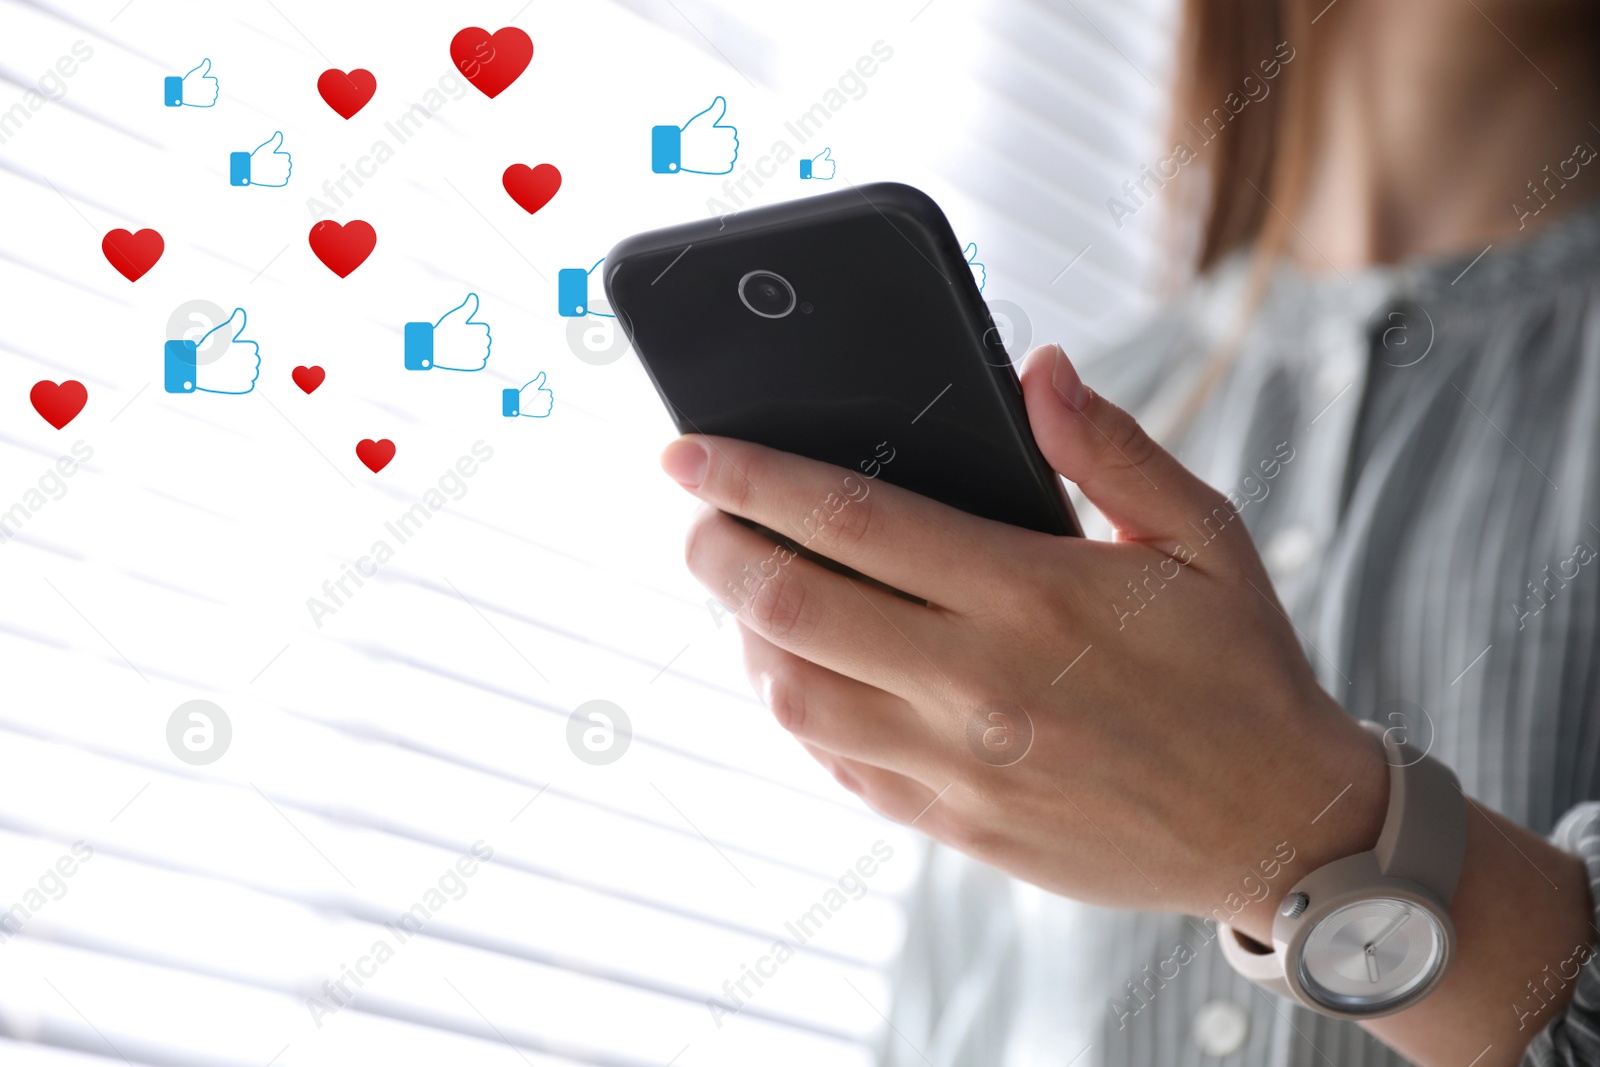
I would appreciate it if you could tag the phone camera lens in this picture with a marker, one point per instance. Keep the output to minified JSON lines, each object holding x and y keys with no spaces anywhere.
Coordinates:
{"x":767,"y":294}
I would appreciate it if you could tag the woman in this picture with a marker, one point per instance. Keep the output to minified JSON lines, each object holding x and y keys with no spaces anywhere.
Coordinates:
{"x":1387,"y":379}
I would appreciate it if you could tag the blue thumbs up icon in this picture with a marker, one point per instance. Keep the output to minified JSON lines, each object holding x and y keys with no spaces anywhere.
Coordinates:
{"x":821,"y":166}
{"x":572,"y":292}
{"x":703,"y":145}
{"x":532,"y":401}
{"x":198,"y":88}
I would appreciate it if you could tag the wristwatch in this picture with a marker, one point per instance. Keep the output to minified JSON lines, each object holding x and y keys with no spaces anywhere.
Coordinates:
{"x":1370,"y":934}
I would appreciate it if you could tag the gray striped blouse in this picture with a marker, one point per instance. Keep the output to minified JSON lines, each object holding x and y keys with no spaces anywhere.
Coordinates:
{"x":1434,"y":534}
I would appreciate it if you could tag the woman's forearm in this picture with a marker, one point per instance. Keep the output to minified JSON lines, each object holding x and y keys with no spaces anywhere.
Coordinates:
{"x":1523,"y":921}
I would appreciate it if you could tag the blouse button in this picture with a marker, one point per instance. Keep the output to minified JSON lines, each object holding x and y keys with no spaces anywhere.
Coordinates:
{"x":1289,"y":550}
{"x":1220,"y":1028}
{"x":1339,"y":355}
{"x":1335,"y":375}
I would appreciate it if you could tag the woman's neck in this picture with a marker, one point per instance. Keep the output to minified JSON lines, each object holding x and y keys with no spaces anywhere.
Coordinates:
{"x":1447,"y":125}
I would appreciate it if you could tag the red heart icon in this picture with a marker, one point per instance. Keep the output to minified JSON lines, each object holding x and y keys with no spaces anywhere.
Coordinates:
{"x":132,"y":253}
{"x":343,"y":248}
{"x":59,"y":404}
{"x":375,"y":454}
{"x":308,"y":378}
{"x":347,"y":93}
{"x":531,"y":187}
{"x":491,"y":62}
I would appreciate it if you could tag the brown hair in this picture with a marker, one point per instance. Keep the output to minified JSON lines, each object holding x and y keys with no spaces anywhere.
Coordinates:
{"x":1245,"y":183}
{"x":1253,"y":172}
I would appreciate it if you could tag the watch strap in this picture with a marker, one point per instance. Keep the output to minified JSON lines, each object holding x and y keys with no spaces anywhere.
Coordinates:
{"x":1254,"y":961}
{"x":1418,"y":855}
{"x":1424,"y":836}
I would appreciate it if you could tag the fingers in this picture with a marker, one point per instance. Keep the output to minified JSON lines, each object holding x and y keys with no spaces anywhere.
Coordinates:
{"x":828,"y":711}
{"x":1144,"y":492}
{"x":903,"y":539}
{"x":894,"y":796}
{"x":844,"y":625}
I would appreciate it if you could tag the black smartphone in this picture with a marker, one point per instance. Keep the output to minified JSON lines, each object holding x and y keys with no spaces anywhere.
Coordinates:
{"x":847,"y":328}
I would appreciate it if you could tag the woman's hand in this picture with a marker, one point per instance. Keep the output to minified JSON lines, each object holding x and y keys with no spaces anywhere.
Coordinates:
{"x":1159,"y":745}
{"x":1129,"y":722}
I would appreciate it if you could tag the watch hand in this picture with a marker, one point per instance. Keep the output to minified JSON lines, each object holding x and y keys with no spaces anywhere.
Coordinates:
{"x":1371,"y":949}
{"x":1390,"y":932}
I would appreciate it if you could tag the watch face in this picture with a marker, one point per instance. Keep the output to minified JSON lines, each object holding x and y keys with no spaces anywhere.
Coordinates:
{"x":1369,"y":955}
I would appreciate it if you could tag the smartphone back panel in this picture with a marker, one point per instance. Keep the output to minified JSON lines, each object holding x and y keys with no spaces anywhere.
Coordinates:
{"x":883,"y":341}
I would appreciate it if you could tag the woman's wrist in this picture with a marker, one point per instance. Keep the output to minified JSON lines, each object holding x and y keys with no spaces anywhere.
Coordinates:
{"x":1522,"y":909}
{"x":1335,"y":807}
{"x":1523,"y":919}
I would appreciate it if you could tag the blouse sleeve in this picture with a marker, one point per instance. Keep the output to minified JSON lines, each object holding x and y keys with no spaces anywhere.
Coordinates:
{"x":1572,"y":1039}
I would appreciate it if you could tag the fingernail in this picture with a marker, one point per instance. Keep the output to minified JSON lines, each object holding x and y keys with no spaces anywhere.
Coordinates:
{"x":685,"y":462}
{"x":1068,"y":385}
